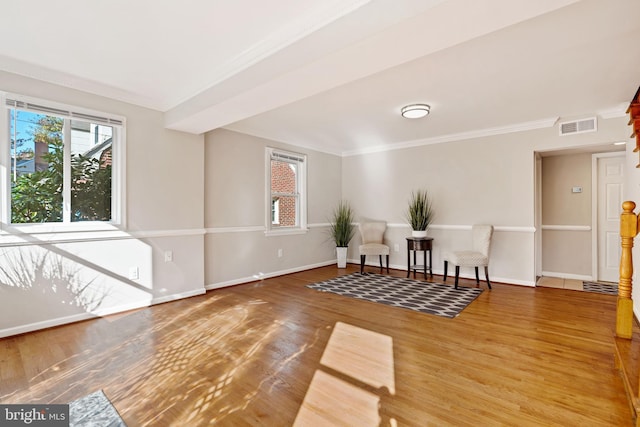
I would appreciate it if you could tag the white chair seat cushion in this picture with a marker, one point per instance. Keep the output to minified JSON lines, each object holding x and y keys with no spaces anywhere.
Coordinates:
{"x":374,"y":249}
{"x":467,"y":259}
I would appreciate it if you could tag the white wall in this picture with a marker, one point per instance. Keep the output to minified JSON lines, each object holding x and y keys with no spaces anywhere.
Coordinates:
{"x":236,"y":247}
{"x":164,"y":212}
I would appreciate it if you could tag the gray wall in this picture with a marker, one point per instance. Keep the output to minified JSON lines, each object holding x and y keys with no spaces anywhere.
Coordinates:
{"x":482,"y":180}
{"x":41,"y":274}
{"x":236,"y":247}
{"x":202,"y":197}
{"x":566,"y":245}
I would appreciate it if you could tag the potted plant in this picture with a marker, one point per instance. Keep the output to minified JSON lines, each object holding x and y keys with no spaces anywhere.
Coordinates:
{"x":420,"y":213}
{"x":342,"y":230}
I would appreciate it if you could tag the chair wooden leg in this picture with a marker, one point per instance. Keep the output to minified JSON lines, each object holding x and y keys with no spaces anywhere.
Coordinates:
{"x":387,"y":264}
{"x":477,"y":278}
{"x":457,"y":274}
{"x":486,"y":275}
{"x":381,"y":267}
{"x":362,"y":257}
{"x":446,"y":264}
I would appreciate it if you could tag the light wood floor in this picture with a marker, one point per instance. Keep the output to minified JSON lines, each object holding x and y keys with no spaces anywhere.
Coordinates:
{"x":275,"y":353}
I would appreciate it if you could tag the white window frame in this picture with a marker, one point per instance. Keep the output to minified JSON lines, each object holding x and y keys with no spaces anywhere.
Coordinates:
{"x":300,"y":160}
{"x":10,"y":101}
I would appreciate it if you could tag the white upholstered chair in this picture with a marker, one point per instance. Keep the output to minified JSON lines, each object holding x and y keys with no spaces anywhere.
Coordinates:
{"x":372,"y":234}
{"x":478,"y":256}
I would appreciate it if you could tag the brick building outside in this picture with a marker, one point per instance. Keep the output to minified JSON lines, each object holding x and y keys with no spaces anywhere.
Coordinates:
{"x":283,"y":186}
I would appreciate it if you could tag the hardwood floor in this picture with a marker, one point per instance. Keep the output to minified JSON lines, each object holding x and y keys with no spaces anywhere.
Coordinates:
{"x":275,"y":353}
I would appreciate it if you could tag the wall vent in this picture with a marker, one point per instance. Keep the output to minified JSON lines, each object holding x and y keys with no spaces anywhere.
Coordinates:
{"x":578,"y":126}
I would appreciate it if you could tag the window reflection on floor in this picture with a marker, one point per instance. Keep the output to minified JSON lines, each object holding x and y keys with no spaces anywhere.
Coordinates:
{"x":355,"y":379}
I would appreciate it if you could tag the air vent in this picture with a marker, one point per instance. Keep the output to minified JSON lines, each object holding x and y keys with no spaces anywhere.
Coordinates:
{"x":578,"y":126}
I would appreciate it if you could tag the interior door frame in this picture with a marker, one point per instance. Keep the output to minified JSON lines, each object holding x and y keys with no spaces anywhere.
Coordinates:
{"x":594,"y":206}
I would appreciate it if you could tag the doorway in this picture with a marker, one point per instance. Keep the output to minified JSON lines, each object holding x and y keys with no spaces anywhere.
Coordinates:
{"x":578,"y":197}
{"x":608,"y":193}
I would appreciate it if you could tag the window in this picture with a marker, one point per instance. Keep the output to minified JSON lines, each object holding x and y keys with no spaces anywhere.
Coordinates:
{"x":64,"y":164}
{"x":286,"y":192}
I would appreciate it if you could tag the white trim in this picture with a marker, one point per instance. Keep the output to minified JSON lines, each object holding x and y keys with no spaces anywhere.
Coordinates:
{"x":619,"y":111}
{"x":256,"y":228}
{"x":59,"y":109}
{"x":262,"y":276}
{"x":261,"y":228}
{"x":500,"y":228}
{"x":567,"y":227}
{"x":479,"y":133}
{"x":119,"y":169}
{"x":9,"y":239}
{"x":567,"y":275}
{"x":96,"y":313}
{"x":168,"y":233}
{"x":246,"y":229}
{"x":286,"y":231}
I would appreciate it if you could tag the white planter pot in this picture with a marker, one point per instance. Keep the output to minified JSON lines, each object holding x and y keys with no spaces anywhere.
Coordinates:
{"x":342,"y":257}
{"x":418,"y":233}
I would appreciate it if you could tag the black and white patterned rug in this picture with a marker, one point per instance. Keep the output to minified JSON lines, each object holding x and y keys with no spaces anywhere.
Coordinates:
{"x":432,"y":298}
{"x":601,"y":288}
{"x":94,"y":410}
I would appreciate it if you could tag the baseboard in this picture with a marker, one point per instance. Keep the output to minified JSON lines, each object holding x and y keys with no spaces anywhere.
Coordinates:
{"x":59,"y":321}
{"x":262,"y":276}
{"x":497,"y":279}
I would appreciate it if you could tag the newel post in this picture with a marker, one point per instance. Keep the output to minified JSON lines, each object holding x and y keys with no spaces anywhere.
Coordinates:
{"x":628,"y":231}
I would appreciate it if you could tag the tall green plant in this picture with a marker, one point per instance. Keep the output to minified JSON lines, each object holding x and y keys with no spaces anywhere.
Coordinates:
{"x":341,"y":224}
{"x":420,"y":211}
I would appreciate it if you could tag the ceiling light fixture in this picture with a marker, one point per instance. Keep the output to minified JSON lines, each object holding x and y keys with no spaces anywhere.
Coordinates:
{"x":415,"y":111}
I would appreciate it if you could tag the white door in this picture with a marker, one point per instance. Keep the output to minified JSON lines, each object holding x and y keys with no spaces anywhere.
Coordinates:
{"x":610,"y":190}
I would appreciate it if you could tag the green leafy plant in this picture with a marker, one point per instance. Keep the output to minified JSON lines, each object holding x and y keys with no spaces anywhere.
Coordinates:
{"x":342,"y":228}
{"x":420,"y":212}
{"x":37,"y":197}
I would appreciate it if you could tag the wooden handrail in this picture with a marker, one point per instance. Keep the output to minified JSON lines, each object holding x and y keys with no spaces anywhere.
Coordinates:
{"x":629,"y":227}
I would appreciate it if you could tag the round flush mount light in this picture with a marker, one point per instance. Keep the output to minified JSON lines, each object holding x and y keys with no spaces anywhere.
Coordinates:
{"x":415,"y":111}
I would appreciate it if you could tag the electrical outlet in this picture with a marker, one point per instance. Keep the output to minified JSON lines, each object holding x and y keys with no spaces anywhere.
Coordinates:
{"x":396,"y":247}
{"x":168,"y":256}
{"x":280,"y":253}
{"x":134,"y":273}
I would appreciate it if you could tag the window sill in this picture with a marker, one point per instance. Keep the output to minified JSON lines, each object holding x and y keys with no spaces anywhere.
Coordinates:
{"x":22,"y":234}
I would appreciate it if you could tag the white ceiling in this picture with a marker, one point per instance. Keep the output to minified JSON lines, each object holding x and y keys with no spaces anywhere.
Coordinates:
{"x":333,"y":74}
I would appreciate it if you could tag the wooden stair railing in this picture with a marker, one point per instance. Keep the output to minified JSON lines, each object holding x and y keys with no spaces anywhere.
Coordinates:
{"x":627,"y":341}
{"x":629,"y":227}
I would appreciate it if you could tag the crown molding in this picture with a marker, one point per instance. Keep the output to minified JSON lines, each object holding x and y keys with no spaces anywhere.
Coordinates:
{"x":479,"y":133}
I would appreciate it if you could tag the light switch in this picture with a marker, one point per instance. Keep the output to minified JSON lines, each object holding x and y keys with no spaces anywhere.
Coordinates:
{"x":576,"y":190}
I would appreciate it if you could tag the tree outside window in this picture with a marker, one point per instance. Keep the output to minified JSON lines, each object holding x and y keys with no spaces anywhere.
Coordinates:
{"x":39,"y":190}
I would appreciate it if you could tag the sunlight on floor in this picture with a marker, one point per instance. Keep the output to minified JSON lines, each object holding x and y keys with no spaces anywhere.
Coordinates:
{"x":559,"y":283}
{"x":361,"y":354}
{"x":364,"y":361}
